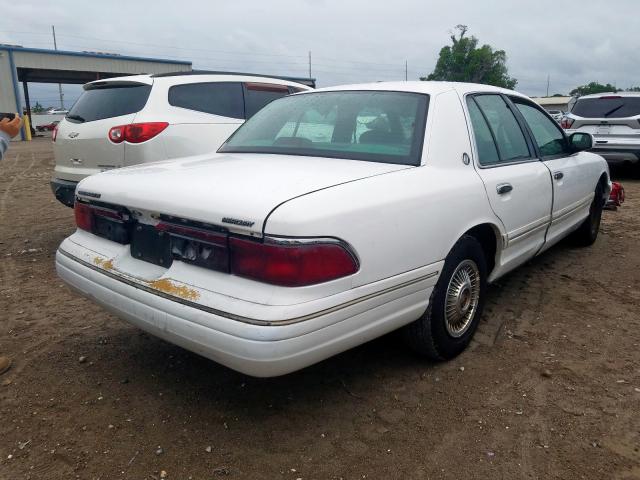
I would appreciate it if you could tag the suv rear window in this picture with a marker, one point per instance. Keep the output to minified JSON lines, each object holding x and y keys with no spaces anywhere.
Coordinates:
{"x":258,"y":95}
{"x":218,"y":98}
{"x":608,"y":106}
{"x":109,"y":101}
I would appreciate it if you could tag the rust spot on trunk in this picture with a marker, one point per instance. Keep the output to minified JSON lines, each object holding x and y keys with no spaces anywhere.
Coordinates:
{"x":102,"y":263}
{"x":167,"y":286}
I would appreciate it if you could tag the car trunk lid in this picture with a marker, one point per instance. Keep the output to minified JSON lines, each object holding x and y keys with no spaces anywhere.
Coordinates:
{"x":236,"y":191}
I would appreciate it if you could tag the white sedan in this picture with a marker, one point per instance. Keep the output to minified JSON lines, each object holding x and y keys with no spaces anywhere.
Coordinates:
{"x":333,"y":217}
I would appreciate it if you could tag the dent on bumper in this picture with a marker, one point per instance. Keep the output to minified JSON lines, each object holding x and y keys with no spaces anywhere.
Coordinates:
{"x":258,"y":350}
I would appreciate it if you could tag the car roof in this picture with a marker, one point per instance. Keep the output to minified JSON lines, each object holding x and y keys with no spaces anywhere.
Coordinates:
{"x":609,"y":94}
{"x":182,"y":79}
{"x":428,"y":87}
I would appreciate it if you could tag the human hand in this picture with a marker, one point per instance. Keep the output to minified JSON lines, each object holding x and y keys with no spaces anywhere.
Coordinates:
{"x":11,"y":127}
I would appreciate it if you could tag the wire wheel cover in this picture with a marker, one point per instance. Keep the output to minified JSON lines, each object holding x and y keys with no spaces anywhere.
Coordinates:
{"x":462,"y":298}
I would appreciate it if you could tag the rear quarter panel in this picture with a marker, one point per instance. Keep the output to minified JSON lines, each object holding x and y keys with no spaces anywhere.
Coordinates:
{"x":405,"y":220}
{"x":189,"y":132}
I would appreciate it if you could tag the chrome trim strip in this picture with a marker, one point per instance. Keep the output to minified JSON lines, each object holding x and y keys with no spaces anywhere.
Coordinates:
{"x":582,"y":204}
{"x":240,"y":318}
{"x":542,"y":223}
{"x":531,"y":231}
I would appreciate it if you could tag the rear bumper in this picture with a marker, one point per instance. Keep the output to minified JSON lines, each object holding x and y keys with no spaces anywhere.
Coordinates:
{"x":64,"y":191}
{"x":257,"y":350}
{"x":617,"y":151}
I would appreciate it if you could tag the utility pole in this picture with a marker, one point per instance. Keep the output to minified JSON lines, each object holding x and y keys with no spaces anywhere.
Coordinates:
{"x":309,"y":63}
{"x":55,"y":47}
{"x":548,"y":79}
{"x":406,"y":70}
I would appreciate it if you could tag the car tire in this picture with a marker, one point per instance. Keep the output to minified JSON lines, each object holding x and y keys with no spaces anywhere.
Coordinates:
{"x":587,"y":232}
{"x":455,"y":306}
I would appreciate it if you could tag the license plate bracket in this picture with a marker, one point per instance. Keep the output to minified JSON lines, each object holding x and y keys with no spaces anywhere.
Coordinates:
{"x":150,"y":245}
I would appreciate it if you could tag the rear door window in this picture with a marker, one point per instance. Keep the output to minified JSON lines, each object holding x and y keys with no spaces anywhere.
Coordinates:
{"x":487,"y":151}
{"x":507,"y":134}
{"x":607,"y":106}
{"x":218,"y":98}
{"x":109,"y":101}
{"x":258,"y":95}
{"x":547,"y":134}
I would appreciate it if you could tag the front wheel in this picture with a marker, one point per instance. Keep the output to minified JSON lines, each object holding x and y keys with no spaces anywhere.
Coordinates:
{"x":455,"y":306}
{"x":587,"y":232}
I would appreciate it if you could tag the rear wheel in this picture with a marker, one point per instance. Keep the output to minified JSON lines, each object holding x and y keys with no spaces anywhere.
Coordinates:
{"x":455,"y":306}
{"x":587,"y":233}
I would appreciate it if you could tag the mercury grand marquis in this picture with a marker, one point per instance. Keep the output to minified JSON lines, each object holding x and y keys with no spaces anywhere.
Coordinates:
{"x":332,"y":217}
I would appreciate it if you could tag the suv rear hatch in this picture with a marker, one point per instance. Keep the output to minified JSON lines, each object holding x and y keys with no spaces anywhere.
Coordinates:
{"x":82,"y":146}
{"x":609,"y":118}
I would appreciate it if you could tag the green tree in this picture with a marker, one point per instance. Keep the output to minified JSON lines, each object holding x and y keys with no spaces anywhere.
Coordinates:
{"x":464,"y":61}
{"x":37,"y":108}
{"x":592,"y":87}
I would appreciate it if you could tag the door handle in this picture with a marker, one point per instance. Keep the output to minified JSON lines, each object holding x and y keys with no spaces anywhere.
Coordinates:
{"x":504,"y":188}
{"x":558,"y":175}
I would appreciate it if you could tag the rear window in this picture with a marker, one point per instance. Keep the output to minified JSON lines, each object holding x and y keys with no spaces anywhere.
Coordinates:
{"x":258,"y":95}
{"x":218,"y":98}
{"x":607,"y":107}
{"x":109,"y":101}
{"x":375,"y":126}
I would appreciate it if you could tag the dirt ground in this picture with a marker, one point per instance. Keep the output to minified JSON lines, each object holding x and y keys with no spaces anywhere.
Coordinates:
{"x":550,"y":388}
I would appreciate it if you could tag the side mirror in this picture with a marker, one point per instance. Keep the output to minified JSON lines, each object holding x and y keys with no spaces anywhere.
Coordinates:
{"x":580,"y":141}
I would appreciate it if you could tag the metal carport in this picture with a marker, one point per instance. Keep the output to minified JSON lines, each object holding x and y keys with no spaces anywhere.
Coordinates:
{"x":20,"y":64}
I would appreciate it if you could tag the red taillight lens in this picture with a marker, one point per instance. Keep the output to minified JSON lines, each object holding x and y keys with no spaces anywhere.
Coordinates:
{"x":141,"y":132}
{"x":290,"y":264}
{"x":136,"y":132}
{"x":566,"y":122}
{"x":84,"y":216}
{"x":54,"y":134}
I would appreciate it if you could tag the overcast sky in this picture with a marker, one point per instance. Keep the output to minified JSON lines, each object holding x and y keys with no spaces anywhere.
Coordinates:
{"x":350,"y":40}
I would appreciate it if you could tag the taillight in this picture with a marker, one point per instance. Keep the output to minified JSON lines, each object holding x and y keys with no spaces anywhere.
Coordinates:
{"x":84,"y":216}
{"x":102,"y":221}
{"x":566,"y":122}
{"x":54,"y":134}
{"x":292,"y":263}
{"x":116,"y":134}
{"x":136,"y":132}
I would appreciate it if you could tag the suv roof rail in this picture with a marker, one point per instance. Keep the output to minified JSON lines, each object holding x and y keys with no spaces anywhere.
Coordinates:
{"x":310,"y":82}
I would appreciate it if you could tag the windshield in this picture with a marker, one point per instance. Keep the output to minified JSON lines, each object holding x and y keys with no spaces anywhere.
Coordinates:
{"x":374,"y":126}
{"x":610,"y":106}
{"x":110,"y":101}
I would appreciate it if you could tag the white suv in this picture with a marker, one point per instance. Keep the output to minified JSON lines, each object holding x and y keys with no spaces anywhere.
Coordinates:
{"x":144,"y":118}
{"x":614,"y":121}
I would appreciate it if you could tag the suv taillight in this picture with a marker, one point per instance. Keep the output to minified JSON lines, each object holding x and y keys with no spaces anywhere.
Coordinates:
{"x":136,"y":132}
{"x":566,"y":122}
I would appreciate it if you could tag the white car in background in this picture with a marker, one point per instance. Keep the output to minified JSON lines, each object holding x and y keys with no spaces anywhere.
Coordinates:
{"x":614,"y":121}
{"x":333,"y":217}
{"x":129,"y":120}
{"x":555,"y":114}
{"x":57,"y":111}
